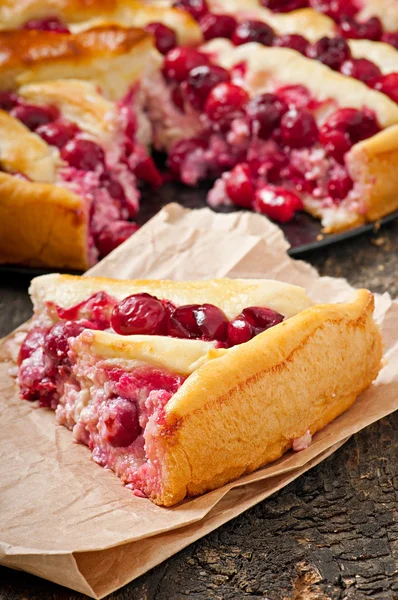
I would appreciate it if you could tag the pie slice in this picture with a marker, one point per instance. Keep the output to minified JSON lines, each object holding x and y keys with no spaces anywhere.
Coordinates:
{"x":293,"y":131}
{"x":180,"y":387}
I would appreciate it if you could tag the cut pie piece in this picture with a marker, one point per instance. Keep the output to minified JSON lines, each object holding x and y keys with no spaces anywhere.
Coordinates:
{"x":176,"y":406}
{"x":295,"y":131}
{"x":68,"y":160}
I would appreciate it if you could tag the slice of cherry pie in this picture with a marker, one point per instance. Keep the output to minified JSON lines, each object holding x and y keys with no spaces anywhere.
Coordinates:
{"x":180,"y":387}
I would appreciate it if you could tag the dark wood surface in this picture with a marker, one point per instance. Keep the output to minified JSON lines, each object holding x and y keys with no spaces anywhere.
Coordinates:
{"x":331,"y":534}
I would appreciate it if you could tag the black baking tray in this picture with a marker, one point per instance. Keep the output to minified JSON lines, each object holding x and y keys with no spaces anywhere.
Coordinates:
{"x":303,"y":232}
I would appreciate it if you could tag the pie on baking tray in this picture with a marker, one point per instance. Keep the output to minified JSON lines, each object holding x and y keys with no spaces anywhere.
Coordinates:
{"x":293,"y":106}
{"x":181,"y":387}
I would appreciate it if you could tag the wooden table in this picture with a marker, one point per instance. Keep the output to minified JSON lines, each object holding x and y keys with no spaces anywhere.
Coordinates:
{"x":331,"y":534}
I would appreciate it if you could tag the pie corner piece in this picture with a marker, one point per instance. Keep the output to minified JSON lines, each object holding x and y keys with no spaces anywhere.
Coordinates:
{"x":175,"y":417}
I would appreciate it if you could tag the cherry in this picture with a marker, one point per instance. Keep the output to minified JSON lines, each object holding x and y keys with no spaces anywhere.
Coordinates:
{"x":34,"y":339}
{"x":49,"y":24}
{"x":83,"y":154}
{"x":336,"y":143}
{"x":239,"y":186}
{"x":57,"y":133}
{"x":330,"y":51}
{"x":217,"y":26}
{"x":201,"y":80}
{"x":195,"y":320}
{"x":293,"y":41}
{"x":390,"y":37}
{"x":339,"y":183}
{"x":146,"y":170}
{"x":181,"y":150}
{"x":139,"y":314}
{"x":253,"y":31}
{"x":356,"y":124}
{"x":225,"y":102}
{"x":284,"y":5}
{"x":369,"y":30}
{"x":119,"y":422}
{"x":114,"y":188}
{"x":336,"y":9}
{"x":387,"y":84}
{"x":278,"y":203}
{"x":298,"y":129}
{"x":33,"y":116}
{"x":8,"y":100}
{"x":56,"y":341}
{"x":182,"y":322}
{"x":360,"y":68}
{"x":261,"y":318}
{"x":97,"y":308}
{"x":114,"y":234}
{"x":296,"y":96}
{"x":239,"y":331}
{"x":197,"y":8}
{"x":264,"y":113}
{"x":179,"y":61}
{"x":165,"y":38}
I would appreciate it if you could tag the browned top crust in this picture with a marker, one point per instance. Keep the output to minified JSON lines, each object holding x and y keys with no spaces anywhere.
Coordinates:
{"x":25,"y":48}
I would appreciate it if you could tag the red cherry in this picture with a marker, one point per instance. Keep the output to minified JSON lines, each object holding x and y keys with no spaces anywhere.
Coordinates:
{"x":139,"y":314}
{"x":217,"y":26}
{"x":390,"y":37}
{"x":330,"y":51}
{"x":278,"y":203}
{"x":336,"y":9}
{"x":57,"y":133}
{"x":8,"y":100}
{"x":181,"y":151}
{"x":34,"y":339}
{"x":114,"y":234}
{"x":225,"y":102}
{"x":49,"y":24}
{"x":369,"y":30}
{"x":119,"y":422}
{"x":336,"y":143}
{"x":201,"y":81}
{"x":284,"y":5}
{"x":356,"y":124}
{"x":182,"y":322}
{"x":211,"y":322}
{"x":197,"y":8}
{"x":83,"y":154}
{"x":253,"y":31}
{"x":165,"y":38}
{"x":56,"y":341}
{"x":296,"y":96}
{"x":298,"y":129}
{"x":239,"y":331}
{"x":360,"y":68}
{"x":264,"y":113}
{"x":387,"y":84}
{"x":33,"y":116}
{"x":261,"y":318}
{"x":97,"y":308}
{"x":239,"y":186}
{"x":293,"y":41}
{"x":339,"y":183}
{"x":179,"y":61}
{"x":146,"y":170}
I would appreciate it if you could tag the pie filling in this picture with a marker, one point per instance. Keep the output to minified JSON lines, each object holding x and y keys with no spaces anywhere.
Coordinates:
{"x":268,"y":152}
{"x":114,"y":405}
{"x":106,"y":178}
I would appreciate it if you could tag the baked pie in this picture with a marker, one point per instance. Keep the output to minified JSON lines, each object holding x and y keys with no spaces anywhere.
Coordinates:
{"x":180,"y":387}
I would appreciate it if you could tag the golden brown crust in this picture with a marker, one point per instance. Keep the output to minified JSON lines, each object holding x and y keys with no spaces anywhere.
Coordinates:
{"x":83,"y":14}
{"x":42,"y":225}
{"x":112,"y":57}
{"x":243,"y":410}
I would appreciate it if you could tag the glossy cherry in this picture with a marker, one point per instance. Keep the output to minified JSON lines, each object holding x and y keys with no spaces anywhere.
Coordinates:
{"x":239,"y":331}
{"x":165,"y":37}
{"x":264,"y":113}
{"x":119,"y":422}
{"x":56,"y":342}
{"x":146,"y":170}
{"x":330,"y":51}
{"x":284,"y":5}
{"x":298,"y":129}
{"x":336,"y":9}
{"x":369,"y":30}
{"x":57,"y":133}
{"x":8,"y":100}
{"x":357,"y":124}
{"x":339,"y":183}
{"x":35,"y":339}
{"x":139,"y":314}
{"x":180,"y":61}
{"x":239,"y":186}
{"x":292,"y":41}
{"x":261,"y":318}
{"x":253,"y":31}
{"x":33,"y":115}
{"x":225,"y":102}
{"x":194,"y":320}
{"x":336,"y":143}
{"x":114,"y":234}
{"x":201,"y":81}
{"x":83,"y":154}
{"x":48,"y":24}
{"x":387,"y":84}
{"x":278,"y":203}
{"x":360,"y":68}
{"x":217,"y":26}
{"x":390,"y":37}
{"x":181,"y":151}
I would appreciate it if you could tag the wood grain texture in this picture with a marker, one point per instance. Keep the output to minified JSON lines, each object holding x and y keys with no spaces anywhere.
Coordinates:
{"x":330,"y":535}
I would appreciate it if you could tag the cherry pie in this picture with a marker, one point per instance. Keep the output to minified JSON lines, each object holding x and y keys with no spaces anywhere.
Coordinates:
{"x":180,"y":387}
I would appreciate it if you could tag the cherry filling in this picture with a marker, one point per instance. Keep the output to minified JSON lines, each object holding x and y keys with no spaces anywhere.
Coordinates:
{"x":165,"y":38}
{"x":53,"y":24}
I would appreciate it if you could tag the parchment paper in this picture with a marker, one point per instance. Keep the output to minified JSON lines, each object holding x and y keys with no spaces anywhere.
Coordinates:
{"x":63,"y":517}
